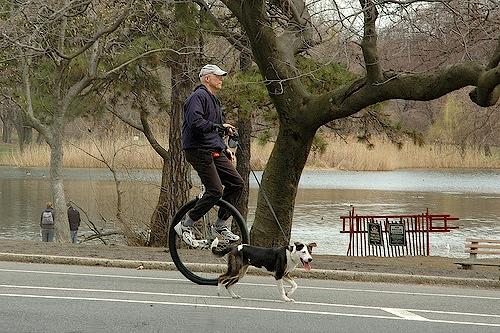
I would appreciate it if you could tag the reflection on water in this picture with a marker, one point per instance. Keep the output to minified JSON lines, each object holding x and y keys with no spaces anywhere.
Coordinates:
{"x":473,"y":196}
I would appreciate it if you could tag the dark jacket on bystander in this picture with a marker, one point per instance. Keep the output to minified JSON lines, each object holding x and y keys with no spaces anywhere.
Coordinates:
{"x":73,"y":218}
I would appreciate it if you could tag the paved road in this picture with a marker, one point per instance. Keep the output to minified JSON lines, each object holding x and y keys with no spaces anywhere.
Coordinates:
{"x":58,"y":298}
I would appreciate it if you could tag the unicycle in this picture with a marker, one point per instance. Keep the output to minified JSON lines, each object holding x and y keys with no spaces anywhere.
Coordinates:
{"x":199,"y":264}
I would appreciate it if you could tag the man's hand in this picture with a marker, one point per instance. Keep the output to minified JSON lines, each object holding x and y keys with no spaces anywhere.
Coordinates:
{"x":224,"y":129}
{"x":229,"y":154}
{"x":229,"y":129}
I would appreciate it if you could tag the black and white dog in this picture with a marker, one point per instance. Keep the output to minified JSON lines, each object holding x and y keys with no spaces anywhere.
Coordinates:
{"x":277,"y":261}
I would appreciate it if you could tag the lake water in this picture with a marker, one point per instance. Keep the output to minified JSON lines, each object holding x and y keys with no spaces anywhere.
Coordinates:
{"x":471,"y":195}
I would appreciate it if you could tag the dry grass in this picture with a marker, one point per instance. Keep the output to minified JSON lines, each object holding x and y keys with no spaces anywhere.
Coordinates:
{"x":353,"y":155}
{"x":138,"y":154}
{"x":121,"y":153}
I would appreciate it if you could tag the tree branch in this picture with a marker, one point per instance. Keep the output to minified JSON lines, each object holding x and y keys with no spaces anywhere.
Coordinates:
{"x":349,"y":99}
{"x":145,"y":54}
{"x":300,"y":24}
{"x":127,"y":120}
{"x":97,"y":35}
{"x":369,"y":42}
{"x":21,"y":45}
{"x":150,"y":136}
{"x":487,"y":91}
{"x":229,"y":35}
{"x":28,"y":112}
{"x":495,"y":58}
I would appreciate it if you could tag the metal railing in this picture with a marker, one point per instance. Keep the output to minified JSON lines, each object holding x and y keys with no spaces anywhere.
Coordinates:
{"x":393,"y":235}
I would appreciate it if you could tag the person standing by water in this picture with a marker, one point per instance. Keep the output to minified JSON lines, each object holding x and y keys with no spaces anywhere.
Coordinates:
{"x":47,"y":221}
{"x":74,"y":222}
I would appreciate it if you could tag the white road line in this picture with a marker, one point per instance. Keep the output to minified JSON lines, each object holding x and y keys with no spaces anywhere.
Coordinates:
{"x":404,"y":314}
{"x":131,"y":292}
{"x":94,"y":275}
{"x":382,"y":291}
{"x":199,"y":305}
{"x":255,"y":284}
{"x":149,"y":293}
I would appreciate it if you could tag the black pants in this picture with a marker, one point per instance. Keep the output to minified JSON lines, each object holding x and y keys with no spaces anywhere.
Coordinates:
{"x":214,"y":172}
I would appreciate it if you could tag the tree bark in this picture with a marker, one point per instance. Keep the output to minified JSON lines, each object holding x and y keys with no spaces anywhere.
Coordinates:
{"x":176,"y":173}
{"x":8,"y":120}
{"x":6,"y":132}
{"x":279,"y":183}
{"x":244,"y":125}
{"x":57,"y":185}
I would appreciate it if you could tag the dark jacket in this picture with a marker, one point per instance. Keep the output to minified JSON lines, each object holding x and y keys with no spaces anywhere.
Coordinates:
{"x":47,"y":226}
{"x":202,"y":112}
{"x":73,"y":218}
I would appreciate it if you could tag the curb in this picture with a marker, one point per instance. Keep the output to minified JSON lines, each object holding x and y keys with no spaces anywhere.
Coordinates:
{"x":299,"y":273}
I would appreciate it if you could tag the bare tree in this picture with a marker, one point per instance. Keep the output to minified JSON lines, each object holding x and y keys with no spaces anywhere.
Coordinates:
{"x":64,"y":39}
{"x":429,"y":36}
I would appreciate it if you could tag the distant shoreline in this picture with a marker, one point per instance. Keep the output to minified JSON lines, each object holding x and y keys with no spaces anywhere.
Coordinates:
{"x":337,"y":155}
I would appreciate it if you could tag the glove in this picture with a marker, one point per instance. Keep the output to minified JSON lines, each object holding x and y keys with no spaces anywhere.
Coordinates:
{"x":220,"y":129}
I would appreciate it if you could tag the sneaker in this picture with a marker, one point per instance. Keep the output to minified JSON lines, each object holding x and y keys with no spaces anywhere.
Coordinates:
{"x":186,"y":233}
{"x":226,"y":234}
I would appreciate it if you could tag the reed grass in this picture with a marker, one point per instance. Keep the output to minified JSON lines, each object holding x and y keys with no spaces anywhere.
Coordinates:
{"x":121,"y":153}
{"x":136,"y":153}
{"x":353,"y":155}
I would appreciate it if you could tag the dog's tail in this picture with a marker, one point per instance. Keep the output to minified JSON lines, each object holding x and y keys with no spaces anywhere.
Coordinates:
{"x":217,"y":251}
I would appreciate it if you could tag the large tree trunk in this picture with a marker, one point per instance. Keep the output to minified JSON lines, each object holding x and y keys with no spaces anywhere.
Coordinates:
{"x":57,"y":183}
{"x":279,"y":183}
{"x":244,"y":125}
{"x":174,"y":192}
{"x":175,"y":179}
{"x":27,"y":134}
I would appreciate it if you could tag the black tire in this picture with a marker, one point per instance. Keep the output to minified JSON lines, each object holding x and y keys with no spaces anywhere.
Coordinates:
{"x":179,"y":251}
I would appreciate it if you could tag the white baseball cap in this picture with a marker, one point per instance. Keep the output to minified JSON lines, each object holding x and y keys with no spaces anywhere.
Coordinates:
{"x":211,"y":69}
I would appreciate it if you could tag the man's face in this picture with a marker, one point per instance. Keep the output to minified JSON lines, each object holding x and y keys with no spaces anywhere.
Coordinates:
{"x":214,"y":81}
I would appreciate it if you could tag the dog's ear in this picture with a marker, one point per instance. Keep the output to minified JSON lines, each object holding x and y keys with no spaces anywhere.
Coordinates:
{"x":310,"y":247}
{"x":298,"y":246}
